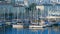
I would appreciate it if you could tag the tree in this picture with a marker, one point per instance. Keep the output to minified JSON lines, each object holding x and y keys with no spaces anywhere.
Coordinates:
{"x":28,"y":9}
{"x":31,"y":7}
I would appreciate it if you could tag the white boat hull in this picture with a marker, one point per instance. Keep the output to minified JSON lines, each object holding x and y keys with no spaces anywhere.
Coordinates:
{"x":17,"y":26}
{"x":37,"y":26}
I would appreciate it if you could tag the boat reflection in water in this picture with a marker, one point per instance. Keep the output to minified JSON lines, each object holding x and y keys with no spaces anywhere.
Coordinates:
{"x":47,"y":30}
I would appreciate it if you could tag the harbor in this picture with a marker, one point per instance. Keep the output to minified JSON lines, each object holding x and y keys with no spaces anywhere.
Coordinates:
{"x":29,"y":16}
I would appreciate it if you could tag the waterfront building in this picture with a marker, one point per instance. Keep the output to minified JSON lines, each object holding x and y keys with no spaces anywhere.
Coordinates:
{"x":17,"y":8}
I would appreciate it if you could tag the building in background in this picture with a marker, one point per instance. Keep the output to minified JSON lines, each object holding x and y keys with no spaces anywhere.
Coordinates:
{"x":17,"y":8}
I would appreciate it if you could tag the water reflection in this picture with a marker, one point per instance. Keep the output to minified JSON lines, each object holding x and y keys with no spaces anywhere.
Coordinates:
{"x":48,"y":30}
{"x":2,"y":31}
{"x":56,"y":28}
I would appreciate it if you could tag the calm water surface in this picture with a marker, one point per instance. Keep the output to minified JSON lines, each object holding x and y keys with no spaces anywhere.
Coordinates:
{"x":47,"y":30}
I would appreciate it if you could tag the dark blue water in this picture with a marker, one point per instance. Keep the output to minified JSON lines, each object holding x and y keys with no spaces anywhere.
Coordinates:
{"x":48,"y":30}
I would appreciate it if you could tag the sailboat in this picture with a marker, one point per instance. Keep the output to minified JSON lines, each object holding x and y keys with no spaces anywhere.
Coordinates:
{"x":41,"y":25}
